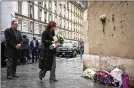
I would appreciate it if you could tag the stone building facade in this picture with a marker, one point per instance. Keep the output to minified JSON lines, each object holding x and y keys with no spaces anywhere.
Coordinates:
{"x":33,"y":16}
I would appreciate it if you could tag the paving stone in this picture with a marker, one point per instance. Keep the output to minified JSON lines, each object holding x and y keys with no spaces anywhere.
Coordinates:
{"x":68,"y":73}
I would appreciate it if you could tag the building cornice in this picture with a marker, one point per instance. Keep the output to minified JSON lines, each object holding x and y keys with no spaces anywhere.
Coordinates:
{"x":73,"y":2}
{"x":77,"y":4}
{"x":23,"y":16}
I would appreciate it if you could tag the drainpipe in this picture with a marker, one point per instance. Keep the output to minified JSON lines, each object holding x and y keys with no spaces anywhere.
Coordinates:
{"x":33,"y":18}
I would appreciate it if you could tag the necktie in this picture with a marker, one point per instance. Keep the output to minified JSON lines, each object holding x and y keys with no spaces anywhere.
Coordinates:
{"x":16,"y":35}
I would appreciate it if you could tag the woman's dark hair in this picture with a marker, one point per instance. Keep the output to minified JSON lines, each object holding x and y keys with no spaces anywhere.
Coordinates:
{"x":24,"y":36}
{"x":50,"y":25}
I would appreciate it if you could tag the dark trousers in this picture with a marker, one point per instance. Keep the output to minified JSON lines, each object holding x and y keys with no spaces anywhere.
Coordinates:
{"x":39,"y":53}
{"x":34,"y":53}
{"x":81,"y":53}
{"x":24,"y":54}
{"x":11,"y":66}
{"x":3,"y":62}
{"x":42,"y":72}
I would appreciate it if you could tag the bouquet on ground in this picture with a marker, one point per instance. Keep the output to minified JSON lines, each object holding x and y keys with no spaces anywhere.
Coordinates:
{"x":59,"y":39}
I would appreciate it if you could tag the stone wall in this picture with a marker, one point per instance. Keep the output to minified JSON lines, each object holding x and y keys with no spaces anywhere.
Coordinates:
{"x":115,"y":44}
{"x":117,"y":38}
{"x":85,"y":29}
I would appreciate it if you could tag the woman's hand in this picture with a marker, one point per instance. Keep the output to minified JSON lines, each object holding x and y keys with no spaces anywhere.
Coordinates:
{"x":54,"y":42}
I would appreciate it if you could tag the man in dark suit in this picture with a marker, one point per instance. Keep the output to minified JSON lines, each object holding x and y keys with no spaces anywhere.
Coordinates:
{"x":34,"y":46}
{"x":12,"y":49}
{"x":24,"y":49}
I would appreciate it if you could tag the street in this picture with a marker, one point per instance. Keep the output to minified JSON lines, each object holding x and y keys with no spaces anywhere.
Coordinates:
{"x":68,"y":72}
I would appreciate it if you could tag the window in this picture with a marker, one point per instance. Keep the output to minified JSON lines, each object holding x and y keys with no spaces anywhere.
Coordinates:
{"x":45,"y":16}
{"x":71,"y":27}
{"x":31,"y":10}
{"x":71,"y":16}
{"x":19,"y":7}
{"x":31,"y":27}
{"x":60,"y":22}
{"x":68,"y":26}
{"x":50,"y":17}
{"x":45,"y":4}
{"x":40,"y":13}
{"x":60,"y":14}
{"x":40,"y":28}
{"x":67,"y":4}
{"x":68,"y":14}
{"x":64,"y":7}
{"x":55,"y":3}
{"x":64,"y":23}
{"x":40,"y":3}
{"x":50,"y":5}
{"x":61,"y":9}
{"x":55,"y":19}
{"x":44,"y":27}
{"x":55,"y":11}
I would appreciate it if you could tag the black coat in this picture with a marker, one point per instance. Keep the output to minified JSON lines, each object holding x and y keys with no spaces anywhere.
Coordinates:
{"x":11,"y":42}
{"x":32,"y":44}
{"x":25,"y":43}
{"x":47,"y":54}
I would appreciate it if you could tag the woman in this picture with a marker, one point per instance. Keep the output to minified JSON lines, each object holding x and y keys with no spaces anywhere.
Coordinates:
{"x":47,"y":61}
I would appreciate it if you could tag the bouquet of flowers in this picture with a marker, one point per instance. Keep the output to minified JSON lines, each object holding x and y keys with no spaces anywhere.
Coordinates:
{"x":103,"y":18}
{"x":59,"y":39}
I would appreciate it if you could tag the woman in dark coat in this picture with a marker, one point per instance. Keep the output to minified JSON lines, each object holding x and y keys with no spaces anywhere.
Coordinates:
{"x":47,"y":61}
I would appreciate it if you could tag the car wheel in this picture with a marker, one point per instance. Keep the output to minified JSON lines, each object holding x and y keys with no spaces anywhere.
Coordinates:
{"x":72,"y":55}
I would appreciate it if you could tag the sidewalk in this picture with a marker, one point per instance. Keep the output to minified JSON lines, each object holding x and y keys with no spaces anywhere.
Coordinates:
{"x":68,"y":73}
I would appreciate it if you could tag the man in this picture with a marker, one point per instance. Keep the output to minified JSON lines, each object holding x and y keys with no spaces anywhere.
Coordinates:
{"x":34,"y":46}
{"x":12,"y":49}
{"x":81,"y":49}
{"x":24,"y":49}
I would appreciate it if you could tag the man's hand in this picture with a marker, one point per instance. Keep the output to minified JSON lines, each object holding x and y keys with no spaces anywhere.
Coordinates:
{"x":18,"y":46}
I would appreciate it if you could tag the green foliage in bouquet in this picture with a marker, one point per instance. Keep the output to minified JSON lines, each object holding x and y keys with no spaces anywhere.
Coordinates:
{"x":103,"y":21}
{"x":60,"y":39}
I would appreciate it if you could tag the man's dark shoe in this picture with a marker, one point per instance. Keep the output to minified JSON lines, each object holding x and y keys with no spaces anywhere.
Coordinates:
{"x":40,"y":78}
{"x":16,"y":76}
{"x":10,"y":77}
{"x":54,"y":80}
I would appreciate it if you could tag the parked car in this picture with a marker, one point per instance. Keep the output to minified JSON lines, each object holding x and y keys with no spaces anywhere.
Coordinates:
{"x":67,"y":49}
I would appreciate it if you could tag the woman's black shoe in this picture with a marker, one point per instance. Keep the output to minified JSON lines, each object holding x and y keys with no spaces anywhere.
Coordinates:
{"x":54,"y":80}
{"x":15,"y":76}
{"x":41,"y":79}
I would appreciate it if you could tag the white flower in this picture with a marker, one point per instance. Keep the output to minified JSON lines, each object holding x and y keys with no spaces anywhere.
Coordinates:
{"x":52,"y":46}
{"x":55,"y":38}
